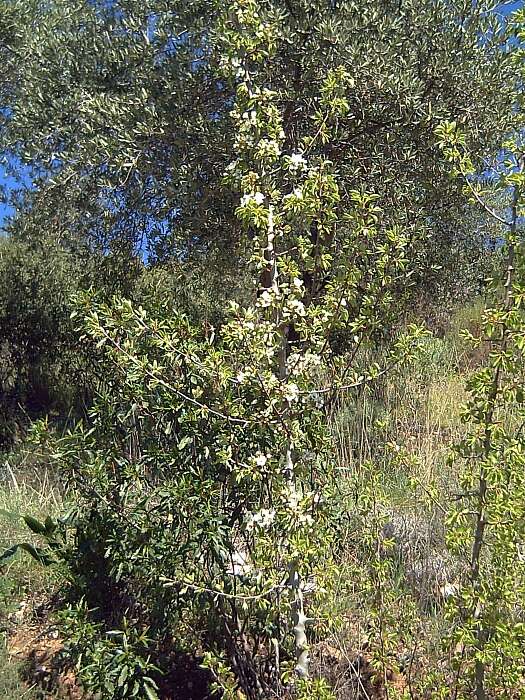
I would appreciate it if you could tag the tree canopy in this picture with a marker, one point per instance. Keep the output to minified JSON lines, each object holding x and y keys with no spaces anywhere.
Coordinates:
{"x":120,"y":110}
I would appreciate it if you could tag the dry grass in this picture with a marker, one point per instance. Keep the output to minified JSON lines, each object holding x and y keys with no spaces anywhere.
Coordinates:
{"x":399,"y":435}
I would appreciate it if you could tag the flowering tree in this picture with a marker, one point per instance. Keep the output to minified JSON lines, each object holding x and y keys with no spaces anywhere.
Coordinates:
{"x":206,"y":479}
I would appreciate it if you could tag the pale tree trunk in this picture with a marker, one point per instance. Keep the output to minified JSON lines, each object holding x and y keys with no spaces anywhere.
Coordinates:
{"x":299,"y":618}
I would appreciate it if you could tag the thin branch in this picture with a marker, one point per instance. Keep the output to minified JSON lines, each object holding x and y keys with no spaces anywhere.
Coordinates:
{"x":484,"y":204}
{"x":221,"y":594}
{"x":170,"y":387}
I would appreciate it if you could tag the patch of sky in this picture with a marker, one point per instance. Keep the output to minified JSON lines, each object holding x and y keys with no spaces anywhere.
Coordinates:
{"x":14,"y":177}
{"x":507,"y":8}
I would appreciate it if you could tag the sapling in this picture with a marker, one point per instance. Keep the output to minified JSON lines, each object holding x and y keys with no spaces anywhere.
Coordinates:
{"x":487,"y":529}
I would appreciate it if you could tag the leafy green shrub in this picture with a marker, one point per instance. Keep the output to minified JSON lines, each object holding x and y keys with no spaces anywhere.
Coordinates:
{"x":111,"y":663}
{"x":487,"y":528}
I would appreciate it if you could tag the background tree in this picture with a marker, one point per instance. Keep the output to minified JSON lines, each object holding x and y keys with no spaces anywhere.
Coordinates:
{"x":115,"y":116}
{"x":37,"y":364}
{"x":120,"y":111}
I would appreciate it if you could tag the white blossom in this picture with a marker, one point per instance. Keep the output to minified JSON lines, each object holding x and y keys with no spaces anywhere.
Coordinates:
{"x":316,"y":498}
{"x":296,"y":507}
{"x":298,"y":363}
{"x":240,"y":564}
{"x":267,"y":147}
{"x":297,"y":161}
{"x":291,"y":392}
{"x":294,"y":499}
{"x":233,"y":65}
{"x":448,"y":590}
{"x":260,"y":460}
{"x":265,"y":299}
{"x":250,"y":117}
{"x":262,"y":519}
{"x":231,"y":167}
{"x":306,"y":519}
{"x":257,"y":197}
{"x":296,"y":194}
{"x":297,"y":306}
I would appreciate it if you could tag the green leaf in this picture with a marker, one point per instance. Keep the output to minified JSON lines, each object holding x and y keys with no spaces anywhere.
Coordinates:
{"x":184,"y":442}
{"x":50,"y":525}
{"x":151,"y":694}
{"x":123,"y":676}
{"x":38,"y":553}
{"x":8,"y":554}
{"x":35,"y":525}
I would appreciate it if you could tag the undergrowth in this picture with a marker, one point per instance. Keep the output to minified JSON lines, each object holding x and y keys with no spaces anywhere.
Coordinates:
{"x":26,"y":488}
{"x":392,"y":448}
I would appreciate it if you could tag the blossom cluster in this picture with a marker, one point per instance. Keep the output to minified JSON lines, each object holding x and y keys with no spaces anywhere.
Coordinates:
{"x":262,"y":519}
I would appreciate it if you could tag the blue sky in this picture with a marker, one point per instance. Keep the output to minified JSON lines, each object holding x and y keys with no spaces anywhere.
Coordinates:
{"x":9,"y":183}
{"x":508,"y":7}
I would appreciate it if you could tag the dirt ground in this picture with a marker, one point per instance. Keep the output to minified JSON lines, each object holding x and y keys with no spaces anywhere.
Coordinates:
{"x":35,"y":644}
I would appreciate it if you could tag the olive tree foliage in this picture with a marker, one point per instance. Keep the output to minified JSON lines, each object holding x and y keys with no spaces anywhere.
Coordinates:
{"x":205,"y":478}
{"x":37,"y":366}
{"x":121,"y":112}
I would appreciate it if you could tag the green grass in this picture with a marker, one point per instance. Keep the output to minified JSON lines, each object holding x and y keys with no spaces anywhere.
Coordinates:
{"x":25,"y":489}
{"x":11,"y":685}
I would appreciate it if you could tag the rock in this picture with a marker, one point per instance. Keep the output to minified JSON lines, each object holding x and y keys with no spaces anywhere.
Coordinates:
{"x":420,"y":550}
